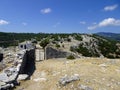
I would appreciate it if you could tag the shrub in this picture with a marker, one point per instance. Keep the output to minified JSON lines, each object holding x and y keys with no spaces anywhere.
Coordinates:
{"x":71,"y":57}
{"x":44,"y":43}
{"x":78,"y":37}
{"x":68,"y":39}
{"x":57,"y":46}
{"x":63,"y":46}
{"x":73,"y":48}
{"x":84,"y":51}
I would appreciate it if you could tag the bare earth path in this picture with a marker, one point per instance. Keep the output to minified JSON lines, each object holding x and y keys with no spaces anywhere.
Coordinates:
{"x":100,"y":74}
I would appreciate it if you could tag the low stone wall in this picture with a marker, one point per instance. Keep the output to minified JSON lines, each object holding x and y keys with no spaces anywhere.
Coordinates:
{"x":54,"y":53}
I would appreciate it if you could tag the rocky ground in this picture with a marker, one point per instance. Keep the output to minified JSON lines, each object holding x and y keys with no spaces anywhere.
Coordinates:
{"x":91,"y":74}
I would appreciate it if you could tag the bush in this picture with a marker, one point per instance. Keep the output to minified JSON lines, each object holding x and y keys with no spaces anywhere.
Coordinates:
{"x":68,"y":39}
{"x":84,"y":51}
{"x":63,"y":46}
{"x":71,"y":57}
{"x":78,"y":37}
{"x":73,"y":48}
{"x":57,"y":46}
{"x":44,"y":43}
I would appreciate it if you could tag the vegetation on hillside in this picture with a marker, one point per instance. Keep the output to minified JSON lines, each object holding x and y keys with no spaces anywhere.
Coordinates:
{"x":44,"y":43}
{"x":108,"y":48}
{"x":71,"y":57}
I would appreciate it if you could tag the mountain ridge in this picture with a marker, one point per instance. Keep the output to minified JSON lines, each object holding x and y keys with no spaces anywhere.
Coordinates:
{"x":109,"y":35}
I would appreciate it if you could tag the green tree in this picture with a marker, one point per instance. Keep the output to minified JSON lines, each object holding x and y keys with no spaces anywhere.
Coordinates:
{"x":44,"y":43}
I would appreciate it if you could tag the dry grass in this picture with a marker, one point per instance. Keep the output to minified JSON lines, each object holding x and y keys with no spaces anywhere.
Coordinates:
{"x":91,"y":74}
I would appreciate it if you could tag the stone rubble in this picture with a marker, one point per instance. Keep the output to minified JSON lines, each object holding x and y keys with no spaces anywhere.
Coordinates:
{"x":9,"y":76}
{"x":40,"y":79}
{"x":22,"y":77}
{"x":83,"y":87}
{"x":68,"y":79}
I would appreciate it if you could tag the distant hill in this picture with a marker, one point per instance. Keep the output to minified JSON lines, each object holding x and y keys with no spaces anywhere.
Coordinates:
{"x":113,"y":36}
{"x":88,"y":45}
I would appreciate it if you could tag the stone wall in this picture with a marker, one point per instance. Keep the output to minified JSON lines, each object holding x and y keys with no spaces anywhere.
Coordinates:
{"x":1,"y":57}
{"x":24,"y":65}
{"x":55,"y":53}
{"x":28,"y":62}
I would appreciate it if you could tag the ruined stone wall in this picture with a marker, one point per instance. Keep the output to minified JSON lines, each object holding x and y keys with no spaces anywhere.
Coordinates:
{"x":24,"y":65}
{"x":28,"y":59}
{"x":1,"y":57}
{"x":30,"y":63}
{"x":54,"y":53}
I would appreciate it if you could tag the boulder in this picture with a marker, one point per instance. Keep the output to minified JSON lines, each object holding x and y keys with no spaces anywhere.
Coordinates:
{"x":67,"y":79}
{"x":3,"y":76}
{"x":83,"y":87}
{"x":22,"y":77}
{"x":2,"y":83}
{"x":39,"y":79}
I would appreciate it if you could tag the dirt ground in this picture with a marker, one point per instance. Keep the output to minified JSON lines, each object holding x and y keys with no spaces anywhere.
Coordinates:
{"x":99,"y":74}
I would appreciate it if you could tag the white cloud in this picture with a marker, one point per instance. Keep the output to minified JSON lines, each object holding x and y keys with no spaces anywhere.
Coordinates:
{"x":57,"y":24}
{"x":82,"y":22}
{"x":94,"y":23}
{"x":110,"y":8}
{"x":106,"y":22}
{"x":24,"y":23}
{"x":3,"y":22}
{"x":92,"y":27}
{"x":46,"y":11}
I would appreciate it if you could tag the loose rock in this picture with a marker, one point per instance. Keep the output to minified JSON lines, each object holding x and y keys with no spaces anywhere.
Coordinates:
{"x":83,"y":87}
{"x":67,"y":79}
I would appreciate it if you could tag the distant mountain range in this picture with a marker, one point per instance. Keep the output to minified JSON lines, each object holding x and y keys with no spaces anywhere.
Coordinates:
{"x":112,"y":36}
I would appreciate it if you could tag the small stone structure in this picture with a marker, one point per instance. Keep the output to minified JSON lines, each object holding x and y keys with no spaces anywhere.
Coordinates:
{"x":39,"y":52}
{"x":25,"y":45}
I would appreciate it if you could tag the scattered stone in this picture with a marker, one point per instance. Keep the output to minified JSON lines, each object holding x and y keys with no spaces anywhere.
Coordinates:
{"x":75,"y":77}
{"x":6,"y":87}
{"x":67,"y":79}
{"x":2,"y":65}
{"x":118,"y":83}
{"x":10,"y":71}
{"x":2,"y":83}
{"x":83,"y":87}
{"x":3,"y":76}
{"x":22,"y":77}
{"x":117,"y":70}
{"x":56,"y":73}
{"x":87,"y":81}
{"x":103,"y":65}
{"x":40,"y":79}
{"x":103,"y":79}
{"x":43,"y":74}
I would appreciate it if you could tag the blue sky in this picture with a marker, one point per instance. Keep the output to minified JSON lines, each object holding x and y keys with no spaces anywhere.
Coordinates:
{"x":60,"y":16}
